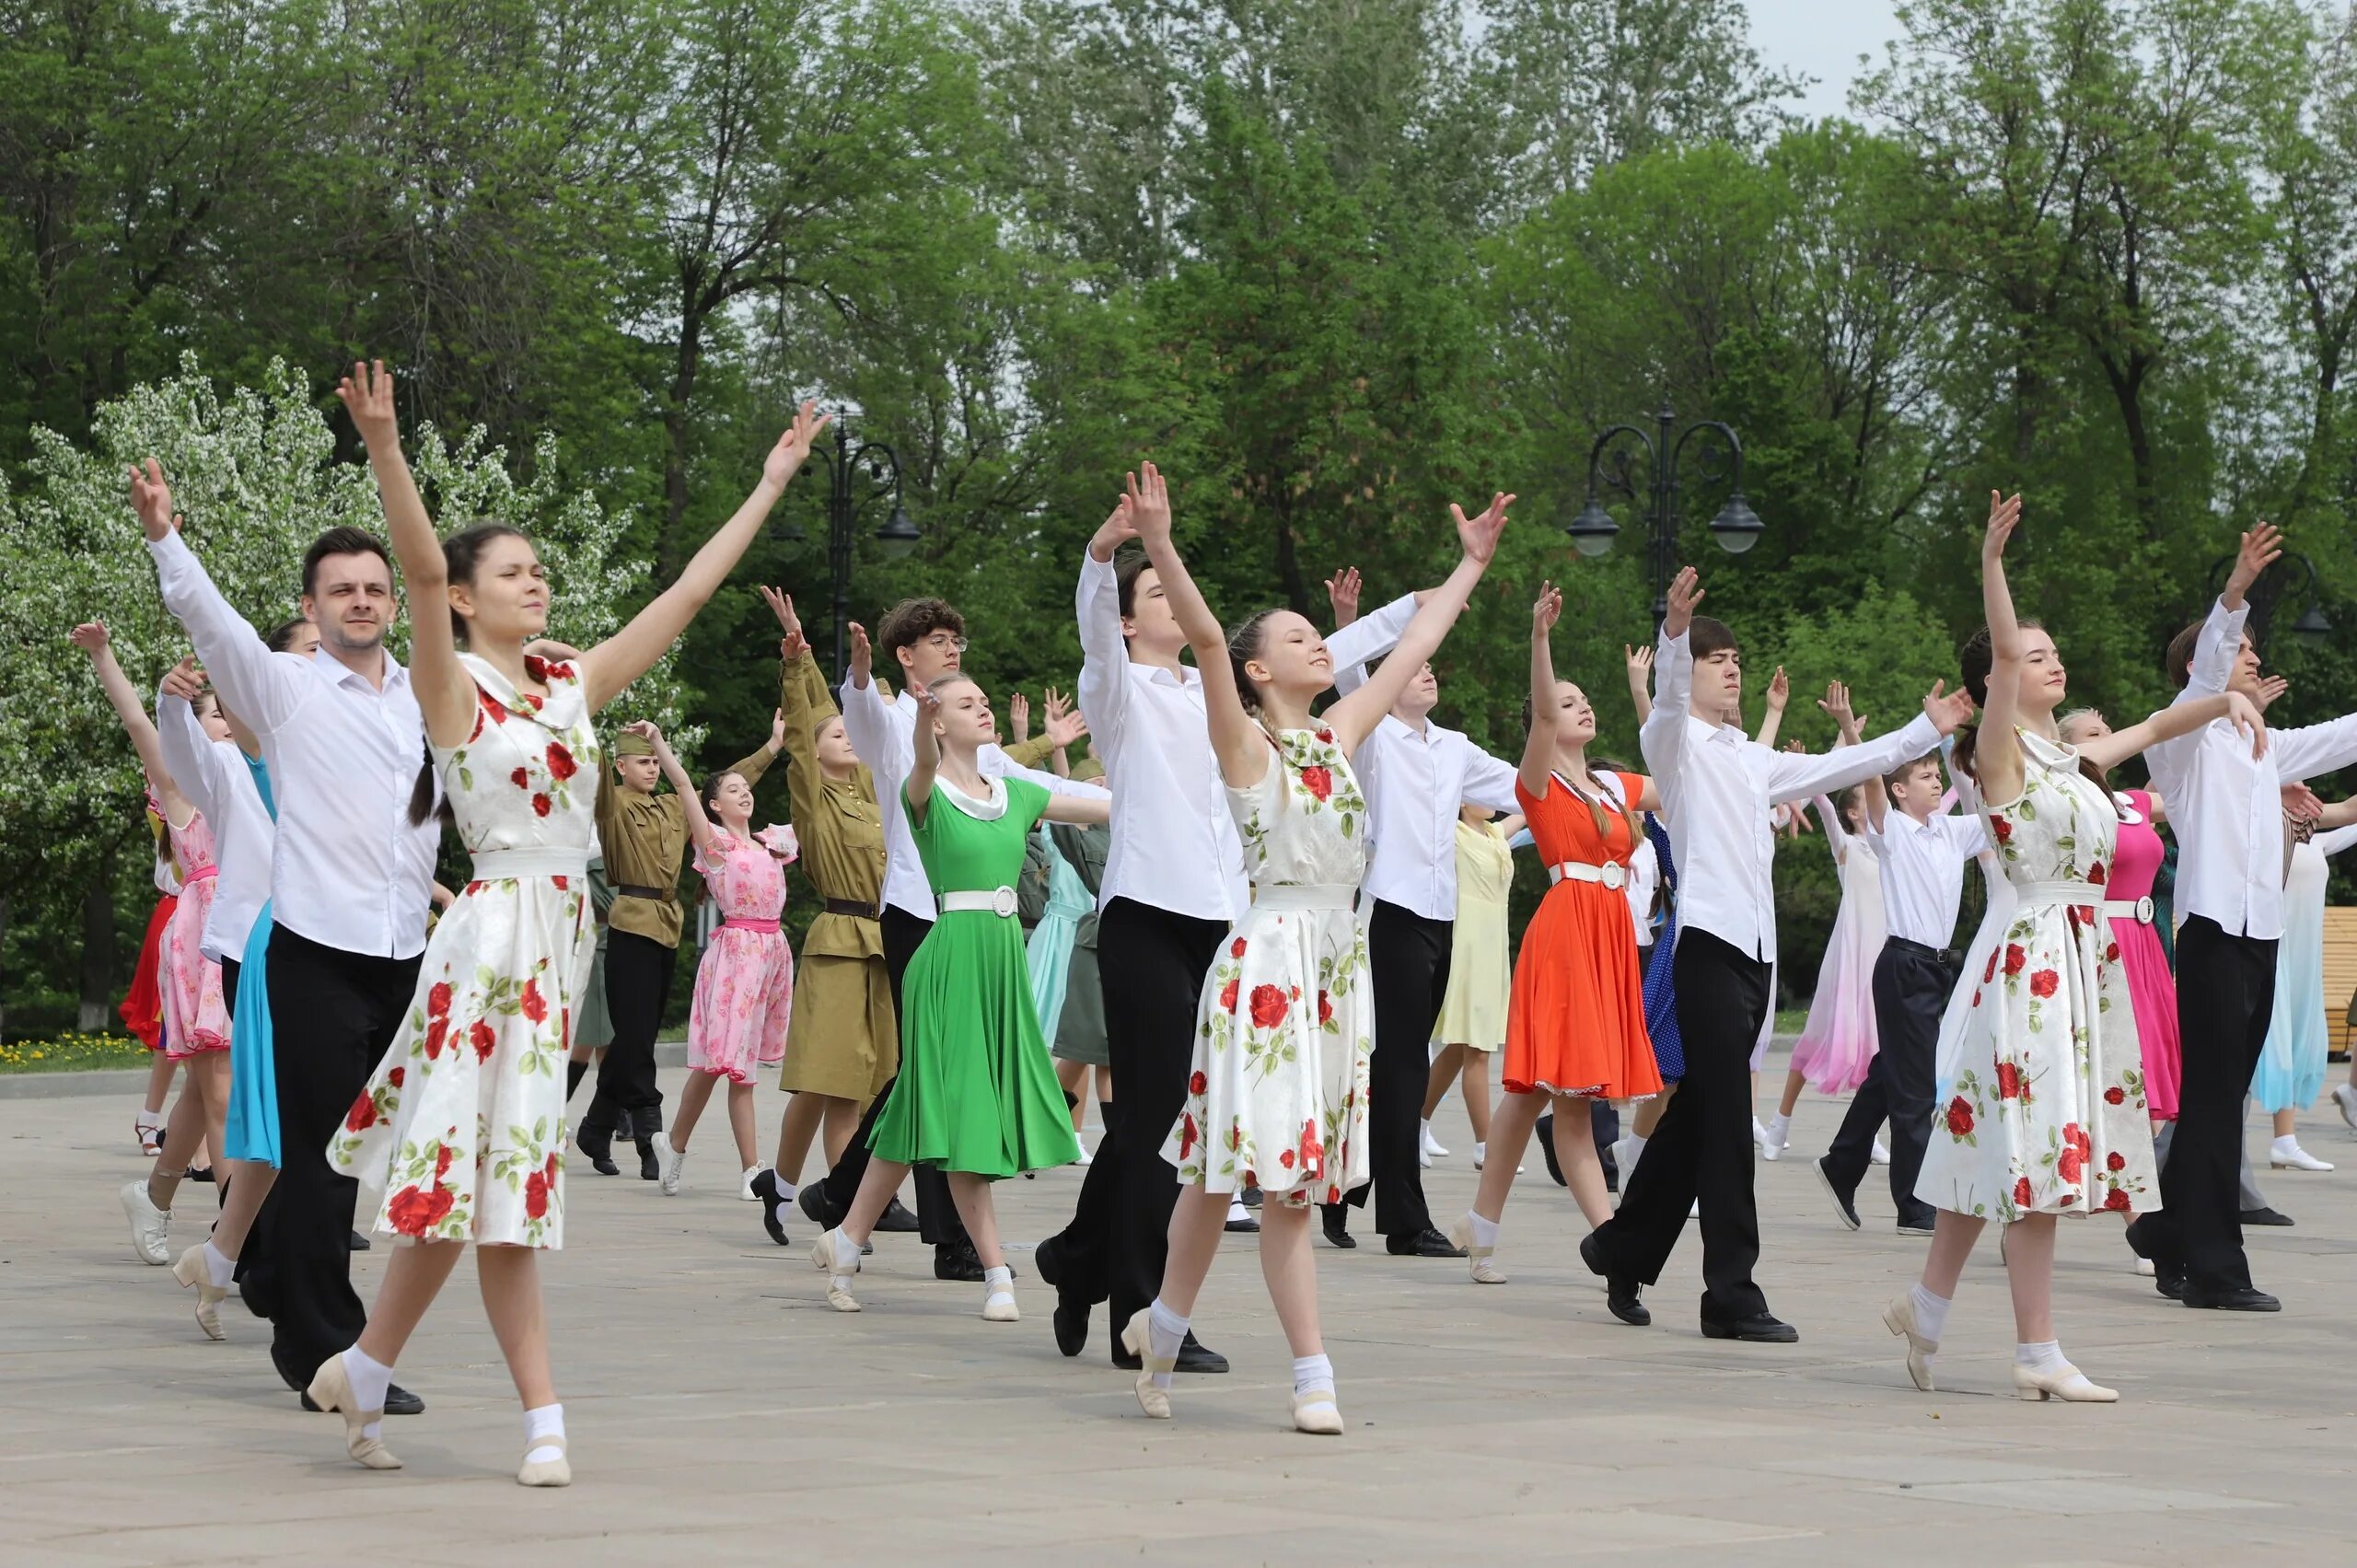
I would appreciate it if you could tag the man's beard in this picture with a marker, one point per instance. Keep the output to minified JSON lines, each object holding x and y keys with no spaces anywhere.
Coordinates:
{"x":346,"y":644}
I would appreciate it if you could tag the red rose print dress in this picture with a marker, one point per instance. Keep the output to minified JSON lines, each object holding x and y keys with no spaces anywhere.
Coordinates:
{"x":744,"y":982}
{"x":462,"y":1125}
{"x":1277,"y":1094}
{"x":2047,"y":1114}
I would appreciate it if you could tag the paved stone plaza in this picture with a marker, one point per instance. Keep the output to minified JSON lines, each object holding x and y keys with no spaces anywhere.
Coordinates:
{"x":721,"y":1413}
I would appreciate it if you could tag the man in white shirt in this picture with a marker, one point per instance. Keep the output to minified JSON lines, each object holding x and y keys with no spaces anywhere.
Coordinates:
{"x":2225,"y":808}
{"x":1717,"y":787}
{"x":926,"y":639}
{"x":1416,"y":776}
{"x":1922,"y":852}
{"x":1173,"y":884}
{"x":351,"y":881}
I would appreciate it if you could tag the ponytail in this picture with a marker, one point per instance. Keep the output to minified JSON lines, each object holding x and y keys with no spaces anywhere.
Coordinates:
{"x":422,"y":795}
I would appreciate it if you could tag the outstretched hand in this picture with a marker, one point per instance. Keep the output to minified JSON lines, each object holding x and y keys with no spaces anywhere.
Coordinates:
{"x":1780,"y":690}
{"x":2243,"y":714}
{"x":90,"y":637}
{"x":151,"y":498}
{"x":2261,"y":549}
{"x":1148,"y":498}
{"x":781,"y":605}
{"x":2005,"y":514}
{"x":1547,"y":610}
{"x":1113,"y":531}
{"x":2302,"y":803}
{"x":863,"y":654}
{"x":1018,"y":717}
{"x":1342,"y":593}
{"x":2270,"y":687}
{"x":367,"y":395}
{"x":1948,"y":710}
{"x":184,"y":680}
{"x":1836,"y":704}
{"x":792,"y":448}
{"x":1064,"y":723}
{"x":1477,"y":536}
{"x":777,"y":730}
{"x":928,"y":706}
{"x":1686,"y":591}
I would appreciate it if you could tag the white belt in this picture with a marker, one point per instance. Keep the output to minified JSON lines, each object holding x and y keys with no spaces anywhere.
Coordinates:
{"x":1611,"y":873}
{"x":2140,"y":911}
{"x":541,"y":860}
{"x":999,"y":901}
{"x":2036,"y":893}
{"x":1290,"y":896}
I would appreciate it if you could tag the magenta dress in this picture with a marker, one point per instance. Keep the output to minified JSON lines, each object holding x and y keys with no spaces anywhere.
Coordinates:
{"x":197,"y":1019}
{"x":745,"y":984}
{"x":2152,"y":989}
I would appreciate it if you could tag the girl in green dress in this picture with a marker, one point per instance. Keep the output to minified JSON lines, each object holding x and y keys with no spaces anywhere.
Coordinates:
{"x":976,"y":1096}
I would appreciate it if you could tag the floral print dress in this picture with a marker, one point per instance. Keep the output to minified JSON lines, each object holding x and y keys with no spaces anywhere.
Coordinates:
{"x":1277,"y":1094}
{"x":2047,"y":1114}
{"x":461,"y":1127}
{"x":196,"y":1016}
{"x":745,"y":981}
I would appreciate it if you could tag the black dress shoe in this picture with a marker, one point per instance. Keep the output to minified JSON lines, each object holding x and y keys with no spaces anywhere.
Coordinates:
{"x":1071,"y":1323}
{"x":597,"y":1143}
{"x":817,"y":1207}
{"x":1619,"y":1290}
{"x":196,"y":1174}
{"x":773,"y":1206}
{"x":1245,"y":1224}
{"x":1845,"y":1207}
{"x":1252,"y":1197}
{"x":356,"y":1242}
{"x":896,"y":1217}
{"x":1546,"y":1131}
{"x":2234,"y":1298}
{"x":957,"y":1261}
{"x":2264,"y":1217}
{"x":649,"y":1168}
{"x":398,"y":1401}
{"x":1425,"y":1243}
{"x":1193,"y":1357}
{"x":2169,"y":1280}
{"x":1336,"y":1219}
{"x":1760,"y":1329}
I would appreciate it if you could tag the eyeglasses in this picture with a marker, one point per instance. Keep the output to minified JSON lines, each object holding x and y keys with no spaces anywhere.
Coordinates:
{"x":949,"y":640}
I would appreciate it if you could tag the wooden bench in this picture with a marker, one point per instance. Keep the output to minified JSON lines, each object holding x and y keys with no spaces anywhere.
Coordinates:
{"x":2340,"y":978}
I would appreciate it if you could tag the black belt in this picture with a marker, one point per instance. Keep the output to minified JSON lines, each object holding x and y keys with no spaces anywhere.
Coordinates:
{"x":629,"y":891}
{"x":1940,"y":955}
{"x":856,"y":909}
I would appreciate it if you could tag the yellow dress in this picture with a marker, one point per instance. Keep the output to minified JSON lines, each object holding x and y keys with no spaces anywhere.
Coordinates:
{"x":1479,"y":975}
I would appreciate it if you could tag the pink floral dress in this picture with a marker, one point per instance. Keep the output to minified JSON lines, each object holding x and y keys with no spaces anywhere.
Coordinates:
{"x":745,"y":981}
{"x":461,"y":1127}
{"x":2047,"y":1113}
{"x":196,"y":1020}
{"x":1277,"y":1094}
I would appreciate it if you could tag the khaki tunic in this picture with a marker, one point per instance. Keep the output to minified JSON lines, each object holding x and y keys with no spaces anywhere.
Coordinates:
{"x":644,"y":838}
{"x":843,"y":1039}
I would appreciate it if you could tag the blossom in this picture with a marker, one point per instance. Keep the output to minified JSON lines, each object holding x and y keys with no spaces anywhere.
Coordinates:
{"x":536,"y":1195}
{"x":2023,"y":1198}
{"x":1960,"y":1117}
{"x":2111,"y":953}
{"x":1325,"y":1007}
{"x":540,"y":805}
{"x":490,"y":705}
{"x":1198,"y":1083}
{"x":1186,"y":1134}
{"x":438,"y":999}
{"x":2114,"y":1095}
{"x":1235,"y":948}
{"x":1319,"y":781}
{"x":442,"y":1157}
{"x":480,"y":1035}
{"x":1323,"y":737}
{"x":2115,"y":1198}
{"x":2115,"y":1161}
{"x":2043,"y":983}
{"x":2015,"y":957}
{"x":561,"y":763}
{"x":520,"y":779}
{"x":2004,"y":830}
{"x":559,"y":883}
{"x":2069,"y":1164}
{"x":534,"y":1005}
{"x":2096,"y":874}
{"x":434,"y":1033}
{"x":1285,"y":1158}
{"x":1227,"y":997}
{"x":1267,"y":1006}
{"x":395,"y":1076}
{"x":1991,"y":972}
{"x":2009,"y":1081}
{"x":363,"y":1114}
{"x":414,"y":1213}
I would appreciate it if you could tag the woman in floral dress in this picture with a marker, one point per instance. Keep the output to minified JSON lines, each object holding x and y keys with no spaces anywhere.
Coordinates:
{"x":2047,"y":1113}
{"x":1277,"y":1094}
{"x":462,"y":1124}
{"x":744,"y":994}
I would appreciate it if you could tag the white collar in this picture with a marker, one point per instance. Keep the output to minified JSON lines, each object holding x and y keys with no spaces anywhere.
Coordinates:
{"x":985,"y":810}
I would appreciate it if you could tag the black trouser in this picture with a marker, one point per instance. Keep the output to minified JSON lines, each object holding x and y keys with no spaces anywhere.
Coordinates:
{"x":1911,"y":986}
{"x":297,"y":1263}
{"x":1150,"y":964}
{"x":1409,"y":956}
{"x":937,"y":1220}
{"x":1702,"y":1147}
{"x":2226,"y":997}
{"x":638,"y":981}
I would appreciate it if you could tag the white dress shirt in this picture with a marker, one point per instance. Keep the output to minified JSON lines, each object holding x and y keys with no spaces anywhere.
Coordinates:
{"x":350,"y":870}
{"x":1174,"y":843}
{"x":1644,"y":876}
{"x":2226,"y":807}
{"x":214,"y":774}
{"x":1922,"y":871}
{"x":885,"y":735}
{"x":1415,"y":780}
{"x":1717,"y":786}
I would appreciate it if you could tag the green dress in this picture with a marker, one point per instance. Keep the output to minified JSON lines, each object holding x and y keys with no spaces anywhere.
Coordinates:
{"x":976,"y":1092}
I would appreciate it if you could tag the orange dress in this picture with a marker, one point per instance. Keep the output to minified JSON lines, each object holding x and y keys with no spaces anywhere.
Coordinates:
{"x":1577,"y":1025}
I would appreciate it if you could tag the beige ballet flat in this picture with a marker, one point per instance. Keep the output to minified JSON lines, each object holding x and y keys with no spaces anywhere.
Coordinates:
{"x":1899,"y":1319}
{"x":999,"y":1308}
{"x":332,"y":1390}
{"x":1154,"y":1401}
{"x":2066,"y":1383}
{"x":1485,"y":1272}
{"x":546,"y":1472}
{"x":822,"y":1258}
{"x":1316,"y":1413}
{"x":190,"y":1270}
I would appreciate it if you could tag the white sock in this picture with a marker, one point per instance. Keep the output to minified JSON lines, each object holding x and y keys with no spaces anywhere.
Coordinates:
{"x":1427,"y":1125}
{"x":785,"y":1190}
{"x":1485,"y":1232}
{"x":1931,"y":1312}
{"x":1164,"y":1332}
{"x":218,"y":1270}
{"x":1481,"y":1152}
{"x":1779,"y":1125}
{"x":369,"y":1379}
{"x":1312,"y":1375}
{"x":547,"y":1421}
{"x":2046,"y":1357}
{"x":153,"y":1113}
{"x":998,"y":1282}
{"x":2288,"y":1144}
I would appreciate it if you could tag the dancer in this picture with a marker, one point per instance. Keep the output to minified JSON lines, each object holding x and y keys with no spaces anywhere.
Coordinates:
{"x":843,"y":1043}
{"x":1576,"y":1028}
{"x":462,"y":1122}
{"x":1473,"y":1025}
{"x":744,"y":992}
{"x":2226,"y":808}
{"x":975,"y":1097}
{"x":195,"y":1019}
{"x":2291,"y":1068}
{"x":1277,"y":1094}
{"x":142,"y":1009}
{"x":1717,"y":789}
{"x":593,"y":1027}
{"x":1080,"y":1047}
{"x":643,"y":838}
{"x":2047,"y":1115}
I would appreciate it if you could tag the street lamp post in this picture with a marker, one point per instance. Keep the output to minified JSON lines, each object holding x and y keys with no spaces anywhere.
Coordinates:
{"x":1736,"y":528}
{"x":845,"y":496}
{"x":2271,"y":591}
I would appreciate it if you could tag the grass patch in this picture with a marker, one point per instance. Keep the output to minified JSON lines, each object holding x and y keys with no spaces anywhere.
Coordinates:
{"x":72,"y":1053}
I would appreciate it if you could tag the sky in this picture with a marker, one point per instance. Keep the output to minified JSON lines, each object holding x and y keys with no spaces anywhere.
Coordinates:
{"x":1822,"y":39}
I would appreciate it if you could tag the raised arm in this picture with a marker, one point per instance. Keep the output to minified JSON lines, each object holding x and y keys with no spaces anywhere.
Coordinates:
{"x":804,"y":703}
{"x":2181,"y":718}
{"x":1366,"y":638}
{"x":1354,"y":715}
{"x":699,"y":828}
{"x":1780,"y":692}
{"x":124,"y":698}
{"x":1662,"y":737}
{"x":869,"y":723}
{"x":1241,"y":745}
{"x":260,"y":686}
{"x":1105,"y":656}
{"x":192,"y":757}
{"x":1537,"y":772}
{"x":925,"y":760}
{"x":1639,"y":663}
{"x":1997,"y":754}
{"x":622,"y":658}
{"x":1797,"y":775}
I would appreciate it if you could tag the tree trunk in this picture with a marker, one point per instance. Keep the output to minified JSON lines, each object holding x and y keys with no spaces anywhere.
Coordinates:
{"x":675,"y":430}
{"x":2127,"y":389}
{"x":4,"y":970}
{"x":98,"y":950}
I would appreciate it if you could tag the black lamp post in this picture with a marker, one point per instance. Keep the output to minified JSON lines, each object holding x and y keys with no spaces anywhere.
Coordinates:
{"x":2274,"y":587}
{"x":845,"y":496}
{"x":1736,"y":528}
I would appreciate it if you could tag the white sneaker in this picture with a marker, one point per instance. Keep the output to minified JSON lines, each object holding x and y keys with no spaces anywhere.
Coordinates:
{"x":1425,"y":1158}
{"x":1758,"y":1133}
{"x":1432,"y":1146}
{"x":746,"y":1191}
{"x":1626,"y":1151}
{"x":1881,"y":1155}
{"x":675,"y":1163}
{"x":2285,"y":1154}
{"x":1780,"y":1137}
{"x":1085,"y":1158}
{"x":2345,"y":1096}
{"x":148,"y":1224}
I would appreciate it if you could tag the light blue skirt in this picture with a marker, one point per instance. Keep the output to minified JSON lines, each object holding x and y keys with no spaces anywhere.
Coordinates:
{"x":253,"y":1130}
